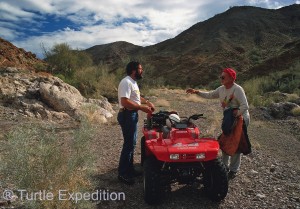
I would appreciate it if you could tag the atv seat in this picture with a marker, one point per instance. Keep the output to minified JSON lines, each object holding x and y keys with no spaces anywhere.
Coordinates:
{"x":180,"y":125}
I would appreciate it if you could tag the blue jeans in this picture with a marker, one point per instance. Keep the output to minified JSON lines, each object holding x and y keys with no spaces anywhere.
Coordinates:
{"x":128,"y":121}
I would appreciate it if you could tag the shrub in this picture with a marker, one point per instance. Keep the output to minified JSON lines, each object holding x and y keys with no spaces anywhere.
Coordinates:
{"x":36,"y":159}
{"x":287,"y":81}
{"x":96,"y":81}
{"x":62,"y":59}
{"x":296,"y":111}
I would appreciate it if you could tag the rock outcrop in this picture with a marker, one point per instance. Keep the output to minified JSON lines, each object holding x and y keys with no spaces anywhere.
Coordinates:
{"x":282,"y":110}
{"x":42,"y":95}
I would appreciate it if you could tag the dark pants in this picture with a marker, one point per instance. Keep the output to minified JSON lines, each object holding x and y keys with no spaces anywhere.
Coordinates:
{"x":128,"y":121}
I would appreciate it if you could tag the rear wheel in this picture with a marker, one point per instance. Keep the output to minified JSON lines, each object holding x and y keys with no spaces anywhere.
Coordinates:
{"x":153,"y":189}
{"x":215,"y":180}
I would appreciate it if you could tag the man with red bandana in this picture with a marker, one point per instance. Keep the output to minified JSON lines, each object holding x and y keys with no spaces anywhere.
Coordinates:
{"x":230,"y":95}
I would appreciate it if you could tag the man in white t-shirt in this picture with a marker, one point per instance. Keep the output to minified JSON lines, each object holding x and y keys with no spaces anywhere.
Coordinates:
{"x":130,"y":102}
{"x":230,"y":95}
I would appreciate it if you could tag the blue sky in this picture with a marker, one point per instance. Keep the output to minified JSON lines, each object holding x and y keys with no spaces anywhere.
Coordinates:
{"x":86,"y":23}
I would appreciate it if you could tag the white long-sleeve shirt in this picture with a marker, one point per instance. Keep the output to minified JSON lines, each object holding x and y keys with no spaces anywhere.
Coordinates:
{"x":238,"y":100}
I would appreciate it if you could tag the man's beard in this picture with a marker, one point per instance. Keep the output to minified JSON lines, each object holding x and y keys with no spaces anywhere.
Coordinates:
{"x":138,"y":76}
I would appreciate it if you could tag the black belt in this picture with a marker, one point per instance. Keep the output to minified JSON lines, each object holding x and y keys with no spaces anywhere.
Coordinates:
{"x":127,"y":110}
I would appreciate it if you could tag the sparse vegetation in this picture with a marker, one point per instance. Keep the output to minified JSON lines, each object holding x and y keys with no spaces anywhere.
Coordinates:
{"x":96,"y":81}
{"x":62,"y":59}
{"x":194,"y":98}
{"x":255,"y":56}
{"x":162,"y":103}
{"x":262,"y":91}
{"x":296,"y":111}
{"x":92,"y":114}
{"x":36,"y":159}
{"x":76,"y":68}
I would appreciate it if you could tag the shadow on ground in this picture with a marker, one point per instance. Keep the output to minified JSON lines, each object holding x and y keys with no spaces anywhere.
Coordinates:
{"x":180,"y":196}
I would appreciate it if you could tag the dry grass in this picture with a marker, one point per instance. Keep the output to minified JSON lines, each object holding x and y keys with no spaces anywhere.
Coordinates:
{"x":177,"y":91}
{"x":255,"y":144}
{"x":291,"y":97}
{"x":194,"y":98}
{"x":36,"y":159}
{"x":92,"y":114}
{"x":166,"y":91}
{"x":153,"y":92}
{"x":296,"y":111}
{"x":162,"y":103}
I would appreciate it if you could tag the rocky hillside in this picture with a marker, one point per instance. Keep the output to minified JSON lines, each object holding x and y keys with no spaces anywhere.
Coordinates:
{"x":11,"y":56}
{"x":40,"y":95}
{"x":249,"y":39}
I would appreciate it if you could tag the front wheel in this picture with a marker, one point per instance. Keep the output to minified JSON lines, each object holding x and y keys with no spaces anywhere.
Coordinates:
{"x":215,"y":180}
{"x":153,"y":189}
{"x":143,"y":152}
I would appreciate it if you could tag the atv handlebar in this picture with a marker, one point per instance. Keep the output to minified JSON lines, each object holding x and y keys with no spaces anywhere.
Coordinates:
{"x":159,"y":119}
{"x":195,"y":117}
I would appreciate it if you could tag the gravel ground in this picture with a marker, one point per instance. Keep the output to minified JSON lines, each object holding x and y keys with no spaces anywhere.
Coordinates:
{"x":268,"y":178}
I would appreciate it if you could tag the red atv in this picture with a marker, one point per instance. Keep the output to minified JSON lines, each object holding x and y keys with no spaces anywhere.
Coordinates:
{"x":171,"y":151}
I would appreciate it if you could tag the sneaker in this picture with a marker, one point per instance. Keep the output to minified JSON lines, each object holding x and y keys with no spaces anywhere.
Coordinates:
{"x":231,"y":175}
{"x":126,"y":180}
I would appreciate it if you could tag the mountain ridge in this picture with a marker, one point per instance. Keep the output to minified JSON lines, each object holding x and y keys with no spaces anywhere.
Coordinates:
{"x":242,"y":37}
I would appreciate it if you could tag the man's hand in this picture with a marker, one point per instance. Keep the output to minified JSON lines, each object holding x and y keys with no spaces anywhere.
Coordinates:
{"x":192,"y":91}
{"x":146,"y":109}
{"x":151,"y":105}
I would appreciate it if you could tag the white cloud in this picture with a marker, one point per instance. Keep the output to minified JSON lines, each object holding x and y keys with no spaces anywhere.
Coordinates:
{"x":140,"y":22}
{"x":267,"y":3}
{"x":8,"y":33}
{"x":5,"y":7}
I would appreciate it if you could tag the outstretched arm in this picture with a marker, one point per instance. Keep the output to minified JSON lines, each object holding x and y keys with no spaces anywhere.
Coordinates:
{"x":208,"y":95}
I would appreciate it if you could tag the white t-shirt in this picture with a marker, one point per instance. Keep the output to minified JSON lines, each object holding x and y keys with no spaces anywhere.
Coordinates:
{"x":238,"y":100}
{"x":128,"y":88}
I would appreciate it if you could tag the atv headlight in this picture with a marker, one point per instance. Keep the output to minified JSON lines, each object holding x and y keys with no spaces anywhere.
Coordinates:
{"x":200,"y":156}
{"x":174,"y":156}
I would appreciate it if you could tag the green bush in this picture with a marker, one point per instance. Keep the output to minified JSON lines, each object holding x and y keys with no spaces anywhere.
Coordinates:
{"x":255,"y":56}
{"x":62,"y":59}
{"x":96,"y":81}
{"x":35,"y":158}
{"x":296,"y":111}
{"x":258,"y":89}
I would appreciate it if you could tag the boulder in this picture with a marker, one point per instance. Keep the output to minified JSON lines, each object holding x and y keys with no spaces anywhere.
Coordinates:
{"x":281,"y":110}
{"x":48,"y":97}
{"x":61,"y":96}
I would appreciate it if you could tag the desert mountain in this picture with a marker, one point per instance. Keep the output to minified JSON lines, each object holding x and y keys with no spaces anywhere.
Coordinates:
{"x":109,"y":53}
{"x":249,"y":39}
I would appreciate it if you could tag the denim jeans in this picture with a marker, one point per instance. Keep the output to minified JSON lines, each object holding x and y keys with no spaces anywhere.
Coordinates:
{"x":128,"y":121}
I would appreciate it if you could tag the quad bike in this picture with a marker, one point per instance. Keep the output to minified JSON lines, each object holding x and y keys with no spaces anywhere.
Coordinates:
{"x":171,"y":151}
